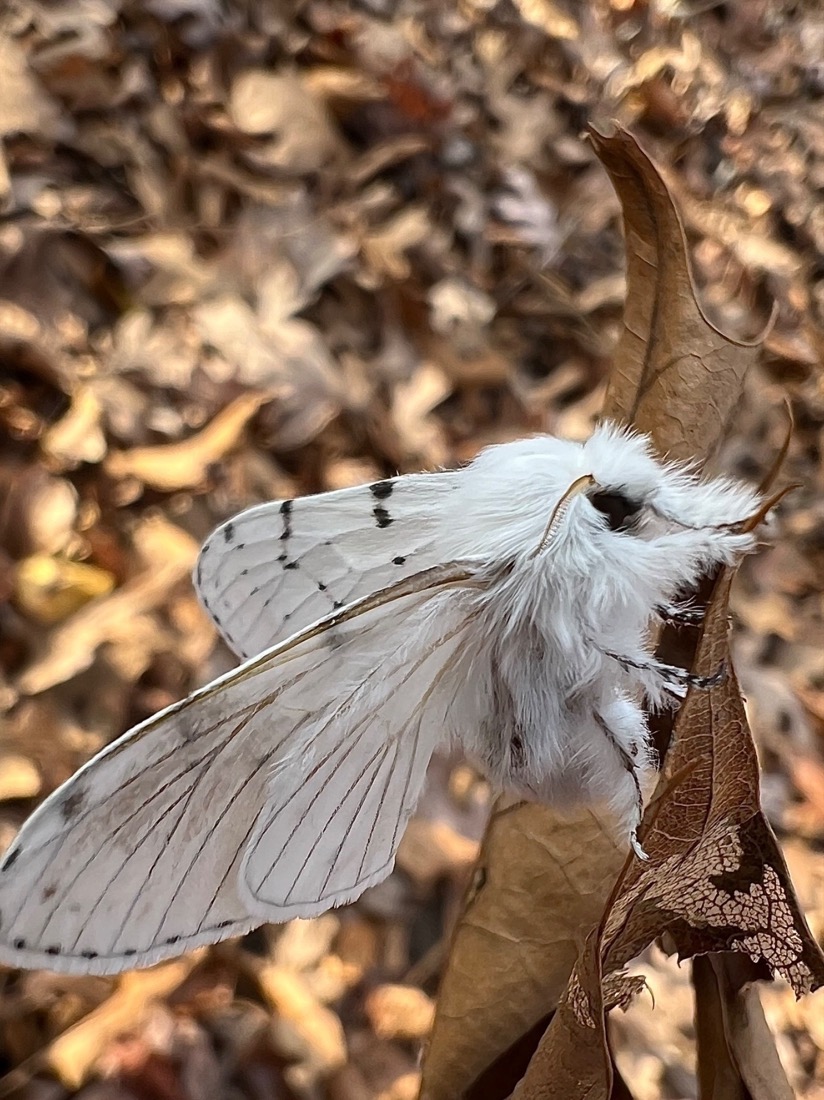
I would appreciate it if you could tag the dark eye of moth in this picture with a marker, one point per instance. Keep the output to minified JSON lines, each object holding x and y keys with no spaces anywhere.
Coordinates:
{"x":620,"y":511}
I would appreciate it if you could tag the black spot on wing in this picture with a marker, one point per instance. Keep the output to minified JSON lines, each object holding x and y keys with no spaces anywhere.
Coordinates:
{"x":382,"y":517}
{"x":286,"y":512}
{"x":229,"y":532}
{"x":52,"y":950}
{"x":87,"y":954}
{"x":74,"y":801}
{"x":291,"y":565}
{"x":380,"y":490}
{"x":19,"y":944}
{"x":48,"y":892}
{"x":10,"y":860}
{"x":398,"y":561}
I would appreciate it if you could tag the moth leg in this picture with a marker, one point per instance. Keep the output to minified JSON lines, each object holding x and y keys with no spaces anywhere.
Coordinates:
{"x":670,"y":673}
{"x":680,"y":614}
{"x":629,"y":765}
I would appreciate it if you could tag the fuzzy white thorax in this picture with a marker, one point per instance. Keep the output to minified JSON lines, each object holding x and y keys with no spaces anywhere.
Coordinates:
{"x":548,"y":621}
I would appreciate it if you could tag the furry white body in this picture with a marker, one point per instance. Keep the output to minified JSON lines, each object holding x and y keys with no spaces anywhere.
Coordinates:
{"x":376,"y":623}
{"x":549,"y":622}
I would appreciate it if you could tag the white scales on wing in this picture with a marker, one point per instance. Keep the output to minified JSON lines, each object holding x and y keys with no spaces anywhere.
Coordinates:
{"x":278,"y":567}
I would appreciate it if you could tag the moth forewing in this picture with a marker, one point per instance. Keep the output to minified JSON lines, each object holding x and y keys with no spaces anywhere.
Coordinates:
{"x":227,"y":809}
{"x":276,"y":568}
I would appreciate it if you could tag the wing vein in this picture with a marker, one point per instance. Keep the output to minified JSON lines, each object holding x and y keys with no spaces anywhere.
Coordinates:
{"x":380,"y":750}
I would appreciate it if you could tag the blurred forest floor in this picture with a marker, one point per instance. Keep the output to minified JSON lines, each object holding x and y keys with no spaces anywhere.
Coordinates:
{"x":251,"y":250}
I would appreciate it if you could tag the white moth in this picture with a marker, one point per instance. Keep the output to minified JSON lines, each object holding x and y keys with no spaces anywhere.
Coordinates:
{"x":503,"y":608}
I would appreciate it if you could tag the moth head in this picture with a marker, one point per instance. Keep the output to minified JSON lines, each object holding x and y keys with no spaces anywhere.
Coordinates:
{"x":640,"y":493}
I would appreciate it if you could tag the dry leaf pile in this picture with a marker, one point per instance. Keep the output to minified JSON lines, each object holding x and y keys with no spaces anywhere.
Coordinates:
{"x":253,"y":250}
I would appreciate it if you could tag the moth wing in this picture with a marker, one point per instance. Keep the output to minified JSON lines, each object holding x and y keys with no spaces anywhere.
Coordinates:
{"x":335,"y":814}
{"x":158,"y":844}
{"x":276,"y":568}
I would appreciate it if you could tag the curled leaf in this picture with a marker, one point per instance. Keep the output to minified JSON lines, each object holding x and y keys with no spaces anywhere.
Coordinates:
{"x":671,"y":360}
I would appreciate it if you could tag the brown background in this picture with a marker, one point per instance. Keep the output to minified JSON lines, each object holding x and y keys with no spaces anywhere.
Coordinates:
{"x":259,"y":250}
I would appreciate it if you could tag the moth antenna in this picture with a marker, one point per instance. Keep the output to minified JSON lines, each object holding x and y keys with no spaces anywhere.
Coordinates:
{"x":746,"y":524}
{"x":695,"y":526}
{"x":560,"y":510}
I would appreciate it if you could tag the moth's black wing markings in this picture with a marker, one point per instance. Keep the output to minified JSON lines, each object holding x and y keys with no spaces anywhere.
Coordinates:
{"x":382,"y":516}
{"x":380,"y":490}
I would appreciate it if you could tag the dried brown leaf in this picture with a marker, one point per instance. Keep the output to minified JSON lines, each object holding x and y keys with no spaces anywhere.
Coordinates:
{"x":671,"y":360}
{"x":431,"y":849}
{"x":49,"y":589}
{"x":72,"y":1055}
{"x":385,"y":248}
{"x":19,"y":778}
{"x":717,"y":880}
{"x":279,"y":107}
{"x":399,"y":1012}
{"x":576,"y":1062}
{"x":183,"y":465}
{"x":71,"y":647}
{"x":303,"y":1028}
{"x":78,"y":436}
{"x":549,"y":18}
{"x":24,"y":106}
{"x":543,"y":884}
{"x":736,"y":1052}
{"x":285,"y":356}
{"x":37,"y":512}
